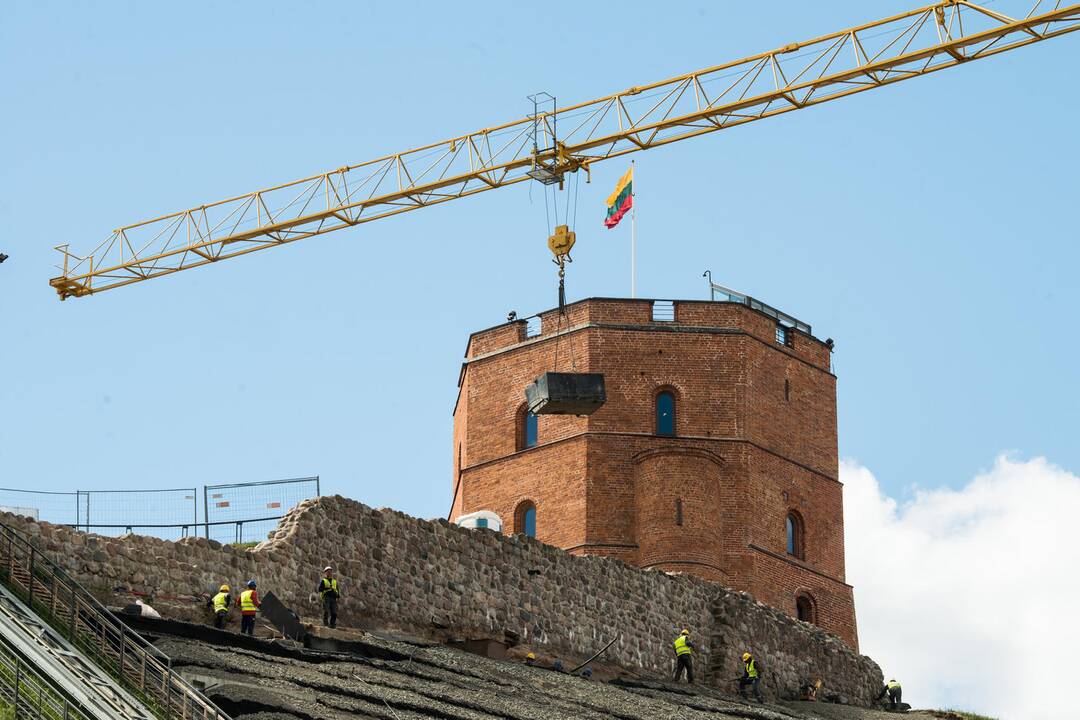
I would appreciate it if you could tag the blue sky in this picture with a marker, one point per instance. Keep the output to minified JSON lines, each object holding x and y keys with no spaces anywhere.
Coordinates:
{"x":927,"y":227}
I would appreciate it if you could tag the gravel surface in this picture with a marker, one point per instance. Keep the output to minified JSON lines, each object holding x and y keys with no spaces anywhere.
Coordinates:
{"x":283,"y":681}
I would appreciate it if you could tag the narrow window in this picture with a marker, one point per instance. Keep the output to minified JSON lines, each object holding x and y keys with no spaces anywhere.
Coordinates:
{"x":481,"y":522}
{"x":781,"y":335}
{"x":787,"y":390}
{"x":532,"y":326}
{"x":665,"y":414}
{"x":525,"y":519}
{"x":804,"y":609}
{"x":527,"y":428}
{"x":663,"y":311}
{"x":530,"y":429}
{"x":678,"y":512}
{"x":794,"y":529}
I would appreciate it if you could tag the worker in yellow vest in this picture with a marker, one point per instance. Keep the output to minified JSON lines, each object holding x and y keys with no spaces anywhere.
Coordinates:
{"x":751,"y":676}
{"x":684,"y":651}
{"x":248,"y":602}
{"x":892,"y":689}
{"x":220,"y":604}
{"x":328,"y":591}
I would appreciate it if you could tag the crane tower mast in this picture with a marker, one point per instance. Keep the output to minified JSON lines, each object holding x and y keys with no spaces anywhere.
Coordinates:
{"x":796,"y":76}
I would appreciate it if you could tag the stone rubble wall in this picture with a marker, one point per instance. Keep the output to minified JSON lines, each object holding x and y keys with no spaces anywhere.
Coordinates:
{"x":437,"y":580}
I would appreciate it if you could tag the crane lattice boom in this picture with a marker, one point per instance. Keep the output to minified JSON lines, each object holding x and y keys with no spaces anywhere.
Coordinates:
{"x":799,"y":75}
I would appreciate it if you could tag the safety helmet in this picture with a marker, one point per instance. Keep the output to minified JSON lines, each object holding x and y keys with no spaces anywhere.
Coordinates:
{"x":685,"y":632}
{"x":223,"y":588}
{"x":746,"y":656}
{"x":530,"y":656}
{"x":328,"y":568}
{"x":252,"y":583}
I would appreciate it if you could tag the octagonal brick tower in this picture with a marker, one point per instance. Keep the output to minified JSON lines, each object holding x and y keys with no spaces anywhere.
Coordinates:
{"x":715,"y":453}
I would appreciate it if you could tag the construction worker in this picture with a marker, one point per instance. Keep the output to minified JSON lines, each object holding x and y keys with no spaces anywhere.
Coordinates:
{"x":892,"y":689}
{"x":248,"y":602}
{"x":684,"y":651}
{"x":328,"y":591}
{"x":751,"y":676}
{"x":221,"y":603}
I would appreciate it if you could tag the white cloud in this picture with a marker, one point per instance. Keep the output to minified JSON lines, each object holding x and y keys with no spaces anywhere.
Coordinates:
{"x":969,"y":597}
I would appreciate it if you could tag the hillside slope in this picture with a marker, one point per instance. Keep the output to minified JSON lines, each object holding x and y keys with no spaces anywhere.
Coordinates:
{"x":397,"y":680}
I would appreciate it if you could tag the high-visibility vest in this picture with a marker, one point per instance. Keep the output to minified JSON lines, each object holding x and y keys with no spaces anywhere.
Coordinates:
{"x":327,"y":586}
{"x":751,"y":668}
{"x":681,"y":648}
{"x":893,"y":685}
{"x":221,"y":602}
{"x":247,"y":604}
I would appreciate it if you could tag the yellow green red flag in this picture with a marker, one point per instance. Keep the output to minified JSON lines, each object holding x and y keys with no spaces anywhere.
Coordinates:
{"x":621,"y":200}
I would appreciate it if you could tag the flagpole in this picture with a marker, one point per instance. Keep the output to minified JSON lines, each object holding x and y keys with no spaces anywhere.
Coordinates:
{"x":633,"y":238}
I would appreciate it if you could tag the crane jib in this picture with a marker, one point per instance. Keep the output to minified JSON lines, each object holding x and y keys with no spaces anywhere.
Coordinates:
{"x":795,"y":76}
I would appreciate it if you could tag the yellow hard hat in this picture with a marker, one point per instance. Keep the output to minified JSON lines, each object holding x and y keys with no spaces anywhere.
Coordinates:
{"x":685,"y":632}
{"x":223,"y":588}
{"x":746,"y":656}
{"x":530,"y":656}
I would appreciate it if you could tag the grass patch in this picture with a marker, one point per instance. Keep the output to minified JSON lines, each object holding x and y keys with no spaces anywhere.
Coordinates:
{"x":951,"y":714}
{"x":244,"y":545}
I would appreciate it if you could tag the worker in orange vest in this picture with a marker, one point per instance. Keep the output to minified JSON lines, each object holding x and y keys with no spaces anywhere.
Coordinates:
{"x":248,"y":602}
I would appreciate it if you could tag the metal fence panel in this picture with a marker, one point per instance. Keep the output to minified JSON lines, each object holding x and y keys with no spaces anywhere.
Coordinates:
{"x":252,"y":510}
{"x":60,"y":508}
{"x":167,"y":514}
{"x":231,"y":513}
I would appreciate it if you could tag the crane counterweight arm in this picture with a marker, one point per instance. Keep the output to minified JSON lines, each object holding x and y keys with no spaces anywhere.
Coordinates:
{"x":795,"y":76}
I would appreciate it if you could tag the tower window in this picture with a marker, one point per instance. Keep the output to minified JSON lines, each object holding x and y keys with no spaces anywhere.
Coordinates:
{"x":663,"y":311}
{"x":794,"y":528}
{"x":665,"y":414}
{"x":532,"y":326}
{"x":781,"y":335}
{"x":525,"y":518}
{"x":527,"y":428}
{"x":804,"y":608}
{"x":481,"y":522}
{"x":678,"y":512}
{"x":531,"y":429}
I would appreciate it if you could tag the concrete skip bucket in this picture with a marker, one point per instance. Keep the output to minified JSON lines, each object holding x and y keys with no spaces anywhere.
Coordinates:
{"x":566,"y":394}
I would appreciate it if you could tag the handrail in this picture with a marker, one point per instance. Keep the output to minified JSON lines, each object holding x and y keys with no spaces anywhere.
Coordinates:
{"x":78,"y":615}
{"x":29,"y":693}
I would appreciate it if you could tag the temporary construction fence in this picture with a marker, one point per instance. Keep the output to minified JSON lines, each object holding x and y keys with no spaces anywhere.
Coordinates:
{"x":231,"y":513}
{"x":251,"y":510}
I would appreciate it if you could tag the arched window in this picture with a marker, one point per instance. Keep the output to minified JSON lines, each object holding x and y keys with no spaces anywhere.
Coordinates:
{"x":525,"y":518}
{"x":527,"y":428}
{"x":804,"y":608}
{"x":794,"y":528}
{"x":665,"y":413}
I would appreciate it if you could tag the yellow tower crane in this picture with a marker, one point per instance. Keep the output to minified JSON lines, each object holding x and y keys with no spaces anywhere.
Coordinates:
{"x":913,"y":43}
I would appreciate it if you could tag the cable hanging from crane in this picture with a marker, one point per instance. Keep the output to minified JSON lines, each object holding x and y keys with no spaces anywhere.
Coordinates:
{"x":793,"y":77}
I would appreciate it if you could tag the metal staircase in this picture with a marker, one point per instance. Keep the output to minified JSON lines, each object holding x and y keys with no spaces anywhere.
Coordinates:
{"x":81,"y":656}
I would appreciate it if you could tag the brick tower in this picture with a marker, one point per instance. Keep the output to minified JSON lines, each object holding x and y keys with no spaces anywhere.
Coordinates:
{"x":715,"y":453}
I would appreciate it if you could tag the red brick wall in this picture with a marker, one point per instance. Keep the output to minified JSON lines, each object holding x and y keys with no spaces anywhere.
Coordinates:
{"x":680,"y":519}
{"x":746,"y":453}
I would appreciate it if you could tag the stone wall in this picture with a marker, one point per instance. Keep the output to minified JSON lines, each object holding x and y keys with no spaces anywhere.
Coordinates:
{"x":405,"y":574}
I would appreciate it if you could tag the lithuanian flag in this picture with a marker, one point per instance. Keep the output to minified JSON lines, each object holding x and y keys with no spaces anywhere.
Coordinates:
{"x":621,"y":200}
